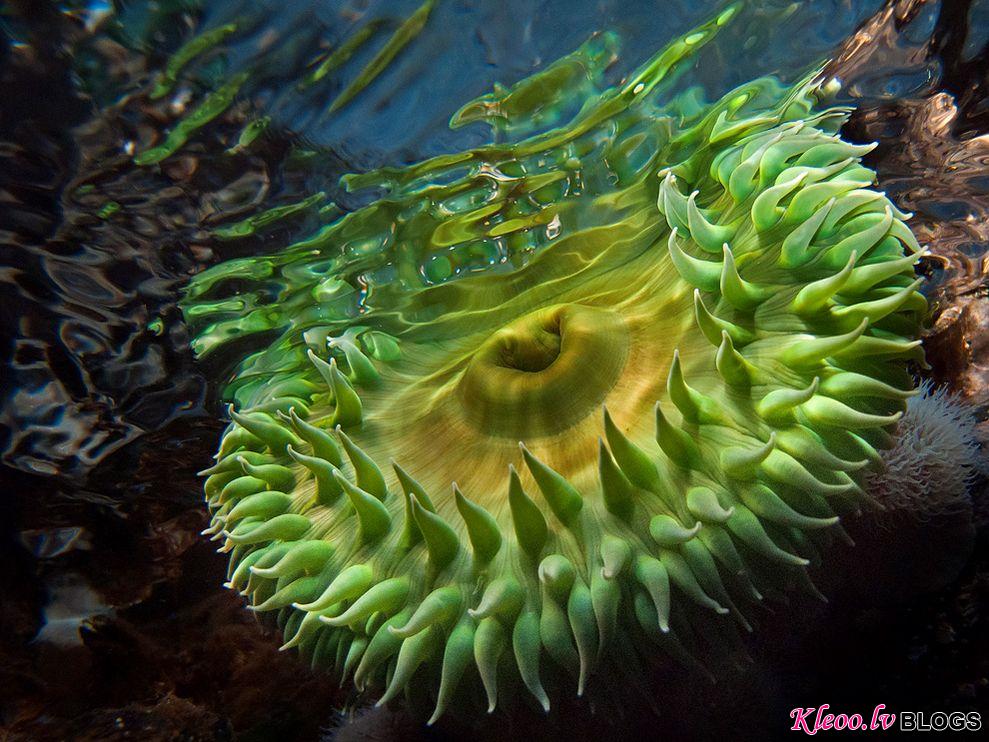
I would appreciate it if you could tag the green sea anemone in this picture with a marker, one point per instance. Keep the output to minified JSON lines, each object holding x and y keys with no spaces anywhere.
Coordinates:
{"x":545,"y":408}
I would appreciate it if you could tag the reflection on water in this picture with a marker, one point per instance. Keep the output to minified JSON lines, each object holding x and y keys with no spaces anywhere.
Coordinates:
{"x":105,"y":416}
{"x":928,"y":112}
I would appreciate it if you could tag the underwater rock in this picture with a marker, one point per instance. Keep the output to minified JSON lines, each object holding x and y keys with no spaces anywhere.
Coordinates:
{"x":546,"y":411}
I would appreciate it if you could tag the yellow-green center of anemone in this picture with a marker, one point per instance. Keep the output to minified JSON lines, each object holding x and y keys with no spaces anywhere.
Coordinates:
{"x":543,"y":373}
{"x":547,"y":408}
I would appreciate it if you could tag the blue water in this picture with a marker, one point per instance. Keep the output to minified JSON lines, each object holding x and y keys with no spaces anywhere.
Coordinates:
{"x":468,"y":46}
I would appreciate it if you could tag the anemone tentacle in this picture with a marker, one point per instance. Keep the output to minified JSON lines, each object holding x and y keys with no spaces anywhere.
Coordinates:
{"x":611,"y":384}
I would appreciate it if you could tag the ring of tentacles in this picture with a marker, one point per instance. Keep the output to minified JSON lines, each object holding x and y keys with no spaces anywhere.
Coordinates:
{"x":662,"y":345}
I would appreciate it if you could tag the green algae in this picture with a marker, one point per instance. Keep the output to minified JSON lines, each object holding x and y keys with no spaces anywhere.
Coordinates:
{"x":539,"y":100}
{"x":212,"y":106}
{"x":249,"y":134}
{"x":108,"y":209}
{"x":193,"y":48}
{"x":258,"y":222}
{"x":339,"y":56}
{"x":404,"y":35}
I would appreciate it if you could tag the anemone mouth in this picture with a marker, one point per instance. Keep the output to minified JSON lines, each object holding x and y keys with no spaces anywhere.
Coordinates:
{"x":455,"y":406}
{"x":544,"y":372}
